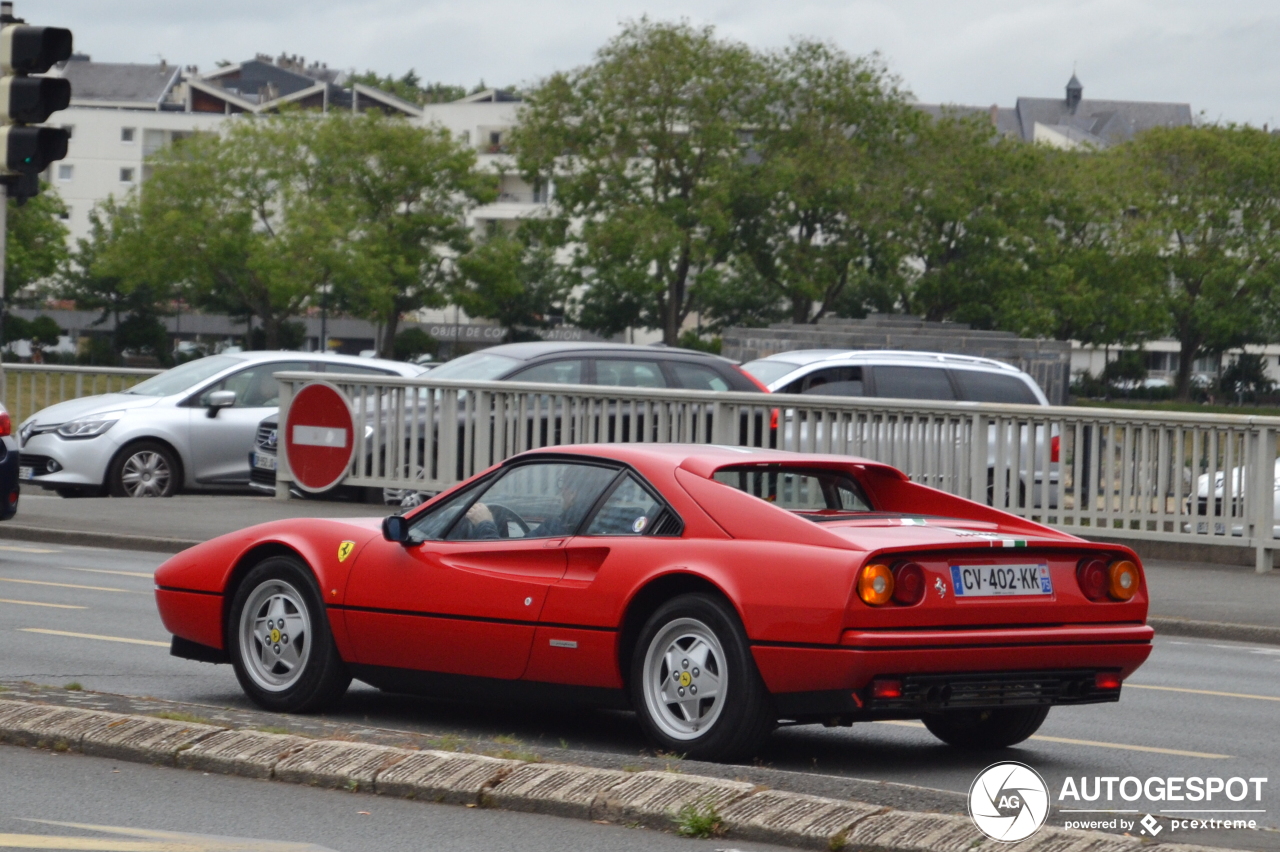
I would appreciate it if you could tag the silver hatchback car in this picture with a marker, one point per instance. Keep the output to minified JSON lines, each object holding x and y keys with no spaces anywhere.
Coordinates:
{"x":188,"y":428}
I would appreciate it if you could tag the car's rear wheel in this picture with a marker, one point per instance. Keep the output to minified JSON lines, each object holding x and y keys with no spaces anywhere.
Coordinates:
{"x":694,"y":683}
{"x":144,"y":469}
{"x":992,"y":728}
{"x":279,"y":639}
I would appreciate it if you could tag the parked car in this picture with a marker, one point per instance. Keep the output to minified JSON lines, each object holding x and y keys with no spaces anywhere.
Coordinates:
{"x":715,"y":591}
{"x":8,"y":467}
{"x":1235,"y":503}
{"x":187,"y":428}
{"x":609,"y":364}
{"x":893,"y":374}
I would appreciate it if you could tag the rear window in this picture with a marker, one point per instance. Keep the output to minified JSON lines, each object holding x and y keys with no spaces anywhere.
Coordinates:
{"x":816,"y":493}
{"x":768,"y":371}
{"x":977,"y":386}
{"x":629,"y":374}
{"x":913,"y":383}
{"x":698,"y":377}
{"x":552,"y":373}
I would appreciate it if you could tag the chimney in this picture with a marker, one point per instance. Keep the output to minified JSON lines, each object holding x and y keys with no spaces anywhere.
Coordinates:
{"x":995,"y":115}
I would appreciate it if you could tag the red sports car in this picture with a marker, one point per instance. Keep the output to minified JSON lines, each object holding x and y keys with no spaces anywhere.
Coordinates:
{"x":715,"y":590}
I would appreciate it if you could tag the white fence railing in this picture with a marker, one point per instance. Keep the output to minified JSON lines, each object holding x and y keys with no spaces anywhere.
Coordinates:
{"x":1097,"y":472}
{"x":27,"y":388}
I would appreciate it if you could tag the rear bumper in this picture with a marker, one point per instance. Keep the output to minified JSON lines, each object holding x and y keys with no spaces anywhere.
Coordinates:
{"x":946,"y":668}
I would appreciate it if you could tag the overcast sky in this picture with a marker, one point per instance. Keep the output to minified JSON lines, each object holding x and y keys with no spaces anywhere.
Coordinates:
{"x":1222,"y":57}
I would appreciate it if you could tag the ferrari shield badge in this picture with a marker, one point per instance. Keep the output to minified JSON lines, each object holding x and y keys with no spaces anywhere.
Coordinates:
{"x":344,"y":550}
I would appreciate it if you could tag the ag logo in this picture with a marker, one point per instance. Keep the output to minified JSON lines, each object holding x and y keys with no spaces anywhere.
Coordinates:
{"x":1008,"y":801}
{"x":344,"y":550}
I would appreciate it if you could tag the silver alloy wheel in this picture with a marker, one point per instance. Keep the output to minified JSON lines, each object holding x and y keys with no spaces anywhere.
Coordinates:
{"x":685,"y":679}
{"x":146,"y":473}
{"x":275,"y":635}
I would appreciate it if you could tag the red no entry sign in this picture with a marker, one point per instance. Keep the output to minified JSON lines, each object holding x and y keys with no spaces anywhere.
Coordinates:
{"x":319,"y":437}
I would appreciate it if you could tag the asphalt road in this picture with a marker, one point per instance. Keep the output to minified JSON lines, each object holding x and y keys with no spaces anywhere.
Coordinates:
{"x":65,"y":801}
{"x":1197,"y":708}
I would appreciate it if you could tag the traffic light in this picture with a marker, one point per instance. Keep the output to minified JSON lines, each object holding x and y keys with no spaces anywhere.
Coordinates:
{"x":26,"y":100}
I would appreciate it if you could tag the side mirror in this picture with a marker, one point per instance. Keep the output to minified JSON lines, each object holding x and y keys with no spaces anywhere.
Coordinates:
{"x":395,"y":528}
{"x":219,"y":400}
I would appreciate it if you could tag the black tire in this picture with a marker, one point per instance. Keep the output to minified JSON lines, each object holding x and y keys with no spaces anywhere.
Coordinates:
{"x":745,"y":717}
{"x":321,"y":677}
{"x":983,"y":730}
{"x":144,"y":469}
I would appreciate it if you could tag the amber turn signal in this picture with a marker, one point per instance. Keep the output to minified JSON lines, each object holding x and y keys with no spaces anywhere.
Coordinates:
{"x":875,"y":585}
{"x":1123,"y":580}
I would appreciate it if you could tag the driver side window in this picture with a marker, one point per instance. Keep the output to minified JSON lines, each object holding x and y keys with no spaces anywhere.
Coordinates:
{"x":256,"y":387}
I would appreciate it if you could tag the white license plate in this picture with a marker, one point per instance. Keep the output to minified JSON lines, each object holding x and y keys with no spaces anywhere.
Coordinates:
{"x":985,"y":581}
{"x":26,"y":473}
{"x":264,"y":462}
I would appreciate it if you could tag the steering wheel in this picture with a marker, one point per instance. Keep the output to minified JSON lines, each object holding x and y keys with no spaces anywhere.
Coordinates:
{"x":502,"y":516}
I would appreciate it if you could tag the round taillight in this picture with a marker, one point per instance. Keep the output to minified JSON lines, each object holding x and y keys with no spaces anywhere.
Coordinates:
{"x":1122,"y":580}
{"x":908,"y":584}
{"x":875,"y":585}
{"x":1093,"y":578}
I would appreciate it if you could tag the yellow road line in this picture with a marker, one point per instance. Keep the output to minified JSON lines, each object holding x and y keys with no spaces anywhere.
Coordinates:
{"x":14,"y":549}
{"x":73,"y":586}
{"x":105,"y":571}
{"x":38,"y":603}
{"x":93,"y":844}
{"x":1203,"y":692}
{"x":1094,"y":743}
{"x":94,"y":636}
{"x":152,"y":840}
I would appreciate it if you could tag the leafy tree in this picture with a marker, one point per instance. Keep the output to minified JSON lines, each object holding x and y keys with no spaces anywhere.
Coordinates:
{"x":644,"y":146}
{"x":1210,"y":234}
{"x":409,"y":87}
{"x":1247,"y":375}
{"x":36,"y":244}
{"x":513,"y":279}
{"x":389,"y":200}
{"x":229,"y":220}
{"x":411,"y":343}
{"x":814,"y":205}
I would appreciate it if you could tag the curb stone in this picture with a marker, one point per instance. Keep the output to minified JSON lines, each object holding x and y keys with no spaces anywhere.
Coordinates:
{"x":1170,"y":626}
{"x":774,"y":816}
{"x":144,"y":740}
{"x":650,"y":798}
{"x":253,"y":754}
{"x":653,"y":798}
{"x":338,"y":764}
{"x":80,"y":538}
{"x":556,"y":789}
{"x":444,"y":776}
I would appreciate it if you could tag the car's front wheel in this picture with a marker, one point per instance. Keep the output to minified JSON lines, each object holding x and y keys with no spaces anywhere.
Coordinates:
{"x":279,"y":640}
{"x":144,"y":469}
{"x":993,"y":728}
{"x":694,"y":683}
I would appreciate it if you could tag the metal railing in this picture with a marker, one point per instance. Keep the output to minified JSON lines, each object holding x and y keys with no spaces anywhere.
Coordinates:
{"x":1183,"y":477}
{"x":27,"y":388}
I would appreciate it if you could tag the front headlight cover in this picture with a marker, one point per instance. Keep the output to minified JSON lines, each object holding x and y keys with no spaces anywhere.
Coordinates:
{"x":89,"y":427}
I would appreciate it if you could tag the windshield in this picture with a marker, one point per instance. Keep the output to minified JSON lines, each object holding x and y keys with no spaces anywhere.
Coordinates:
{"x":478,"y":366}
{"x":817,"y":494}
{"x":768,"y":371}
{"x":184,"y":377}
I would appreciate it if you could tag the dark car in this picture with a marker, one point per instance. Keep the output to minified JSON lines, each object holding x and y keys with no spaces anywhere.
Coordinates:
{"x":609,"y":364}
{"x":8,"y":467}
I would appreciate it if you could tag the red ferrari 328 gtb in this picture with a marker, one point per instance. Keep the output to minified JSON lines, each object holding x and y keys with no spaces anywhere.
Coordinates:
{"x":715,"y":590}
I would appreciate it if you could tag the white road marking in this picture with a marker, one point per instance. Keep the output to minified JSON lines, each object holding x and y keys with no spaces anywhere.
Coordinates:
{"x":38,"y":603}
{"x":148,"y":576}
{"x":1174,"y":751}
{"x":15,"y":549}
{"x":94,"y":636}
{"x":73,"y":586}
{"x":1203,"y":692}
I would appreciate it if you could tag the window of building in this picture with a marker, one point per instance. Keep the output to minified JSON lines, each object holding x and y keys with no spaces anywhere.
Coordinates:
{"x":126,"y":175}
{"x":65,"y":213}
{"x":66,"y":172}
{"x":126,"y":134}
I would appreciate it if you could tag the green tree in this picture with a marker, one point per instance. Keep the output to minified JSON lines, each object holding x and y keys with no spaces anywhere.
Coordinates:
{"x":410,"y":87}
{"x":36,"y":244}
{"x":515,"y":280}
{"x":230,"y":219}
{"x":1210,"y":229}
{"x":814,"y":207}
{"x":643,"y":146}
{"x":388,"y":201}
